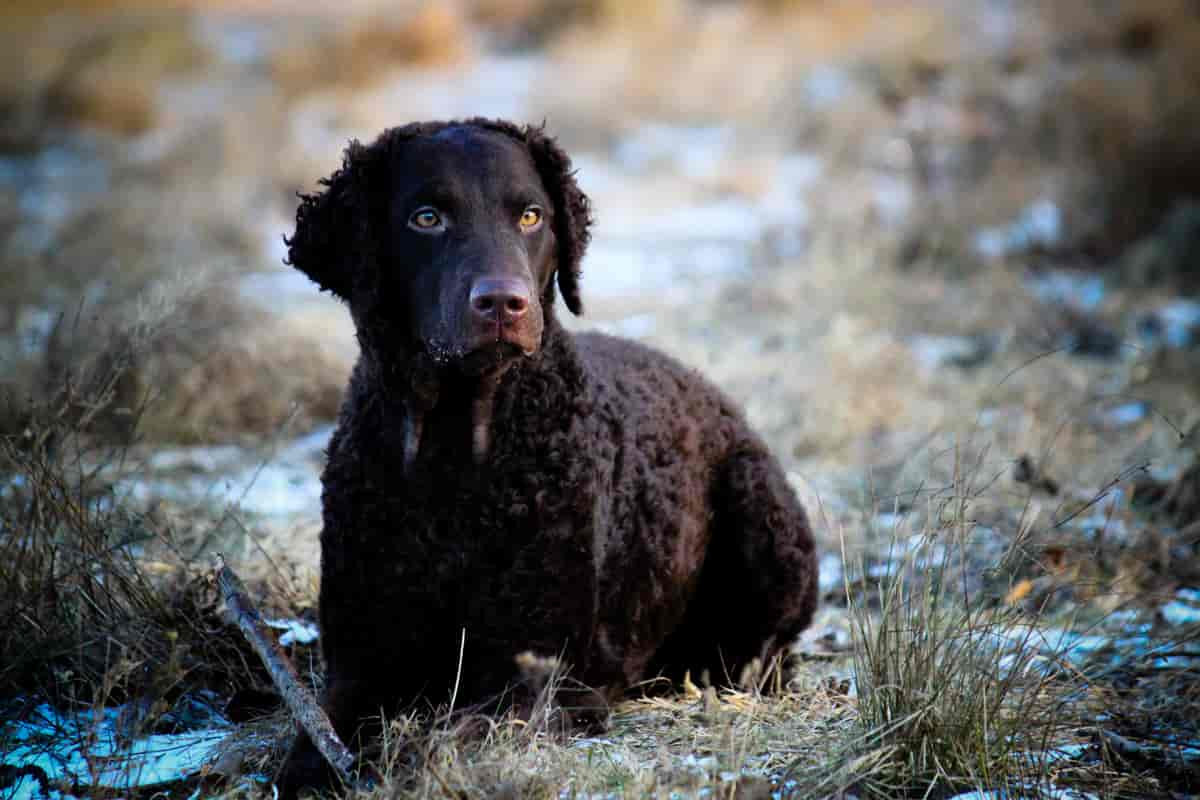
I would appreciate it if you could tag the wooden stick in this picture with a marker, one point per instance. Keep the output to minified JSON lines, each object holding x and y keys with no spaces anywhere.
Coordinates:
{"x":300,"y":701}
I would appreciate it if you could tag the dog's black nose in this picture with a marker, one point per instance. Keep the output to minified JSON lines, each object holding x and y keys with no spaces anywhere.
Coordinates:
{"x":503,"y":300}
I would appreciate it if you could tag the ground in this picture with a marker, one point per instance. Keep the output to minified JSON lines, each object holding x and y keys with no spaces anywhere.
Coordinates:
{"x":940,"y":252}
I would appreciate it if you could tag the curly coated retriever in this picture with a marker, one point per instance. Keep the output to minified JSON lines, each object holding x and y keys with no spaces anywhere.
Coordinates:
{"x":584,"y":496}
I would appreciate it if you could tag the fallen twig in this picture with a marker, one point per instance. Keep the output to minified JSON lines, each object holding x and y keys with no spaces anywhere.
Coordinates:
{"x":300,"y":701}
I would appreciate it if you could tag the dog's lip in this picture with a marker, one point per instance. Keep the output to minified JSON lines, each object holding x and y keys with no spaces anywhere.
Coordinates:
{"x":504,"y":336}
{"x":504,"y":347}
{"x":500,"y":346}
{"x":488,"y":357}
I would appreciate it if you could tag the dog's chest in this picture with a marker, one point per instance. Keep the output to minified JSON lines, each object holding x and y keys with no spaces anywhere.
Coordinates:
{"x":495,"y":557}
{"x":463,"y":524}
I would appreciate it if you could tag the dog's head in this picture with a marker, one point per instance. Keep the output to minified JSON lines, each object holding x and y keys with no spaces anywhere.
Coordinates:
{"x":445,"y":239}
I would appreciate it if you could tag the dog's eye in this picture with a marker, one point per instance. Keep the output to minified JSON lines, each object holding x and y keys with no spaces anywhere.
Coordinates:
{"x":531,"y":218}
{"x":425,"y":219}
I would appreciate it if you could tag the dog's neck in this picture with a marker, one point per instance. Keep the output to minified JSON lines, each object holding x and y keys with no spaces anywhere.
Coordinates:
{"x":424,"y":393}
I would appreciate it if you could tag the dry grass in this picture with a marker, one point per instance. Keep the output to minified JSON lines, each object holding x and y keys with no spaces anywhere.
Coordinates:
{"x":241,"y":382}
{"x":937,"y":702}
{"x":953,"y":693}
{"x":943,"y":691}
{"x":1088,"y":104}
{"x":96,"y":595}
{"x":363,"y":48}
{"x":209,"y":370}
{"x":729,"y":743}
{"x":103,"y":75}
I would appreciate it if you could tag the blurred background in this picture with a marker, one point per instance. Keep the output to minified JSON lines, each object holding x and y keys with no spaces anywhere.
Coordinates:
{"x":841,"y":209}
{"x":938,"y":249}
{"x":860,"y":217}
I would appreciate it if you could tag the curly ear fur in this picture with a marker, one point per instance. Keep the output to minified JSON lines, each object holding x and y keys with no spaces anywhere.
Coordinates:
{"x":572,"y":213}
{"x":334,"y":235}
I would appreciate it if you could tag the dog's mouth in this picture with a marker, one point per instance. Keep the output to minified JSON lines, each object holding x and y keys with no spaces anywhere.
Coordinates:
{"x":491,"y":356}
{"x":485,"y":349}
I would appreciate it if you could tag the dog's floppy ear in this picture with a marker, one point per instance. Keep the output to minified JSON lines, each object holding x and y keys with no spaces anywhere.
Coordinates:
{"x":572,"y":212}
{"x":334,"y":239}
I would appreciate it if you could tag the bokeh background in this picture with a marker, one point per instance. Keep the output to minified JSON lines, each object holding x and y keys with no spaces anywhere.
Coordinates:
{"x":927,"y":244}
{"x":857,"y":215}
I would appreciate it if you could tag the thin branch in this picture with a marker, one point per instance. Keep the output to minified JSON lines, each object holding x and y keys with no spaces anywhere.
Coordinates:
{"x":299,"y":699}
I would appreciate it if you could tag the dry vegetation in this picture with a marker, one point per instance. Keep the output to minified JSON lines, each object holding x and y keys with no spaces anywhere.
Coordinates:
{"x":1008,"y":547}
{"x":99,"y":604}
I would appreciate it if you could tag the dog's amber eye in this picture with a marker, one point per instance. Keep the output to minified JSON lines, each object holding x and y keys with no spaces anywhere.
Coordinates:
{"x":425,"y":218}
{"x":531,"y":218}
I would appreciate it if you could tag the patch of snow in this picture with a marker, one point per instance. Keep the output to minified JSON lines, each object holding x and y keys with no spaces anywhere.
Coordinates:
{"x":297,"y":631}
{"x":1176,"y":325}
{"x":618,"y":266}
{"x":834,"y":638}
{"x":1124,"y":415}
{"x":825,"y":85}
{"x":87,"y":750}
{"x":28,"y":788}
{"x":237,"y":41}
{"x":1039,"y":225}
{"x":51,"y":187}
{"x":636,"y":326}
{"x":888,"y":521}
{"x":884,"y":569}
{"x":1181,"y":322}
{"x":1078,"y":290}
{"x":34,"y":329}
{"x":197,"y":459}
{"x":1052,"y":793}
{"x":278,"y":289}
{"x":829,"y":573}
{"x":964,"y":352}
{"x":1127,"y":618}
{"x":1062,"y":752}
{"x":288,"y":483}
{"x":694,"y":151}
{"x":1067,"y":643}
{"x":799,"y":170}
{"x":285,"y":484}
{"x":1104,"y":526}
{"x":892,"y":198}
{"x":497,"y":86}
{"x":1185,"y":609}
{"x":705,"y":763}
{"x":729,"y":219}
{"x":310,"y":445}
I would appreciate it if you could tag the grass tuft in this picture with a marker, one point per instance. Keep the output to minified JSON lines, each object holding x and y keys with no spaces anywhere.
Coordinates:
{"x":954,"y":692}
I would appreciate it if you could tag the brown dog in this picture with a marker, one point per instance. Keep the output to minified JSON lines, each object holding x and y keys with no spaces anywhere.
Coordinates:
{"x":575,"y":496}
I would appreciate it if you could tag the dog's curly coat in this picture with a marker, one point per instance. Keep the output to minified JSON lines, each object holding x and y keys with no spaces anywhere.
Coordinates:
{"x":619,"y":513}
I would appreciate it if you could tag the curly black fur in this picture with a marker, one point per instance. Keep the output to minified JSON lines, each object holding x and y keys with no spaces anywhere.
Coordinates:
{"x":625,"y":516}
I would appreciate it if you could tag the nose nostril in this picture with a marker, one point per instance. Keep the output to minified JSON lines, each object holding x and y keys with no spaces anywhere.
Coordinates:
{"x":500,"y":300}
